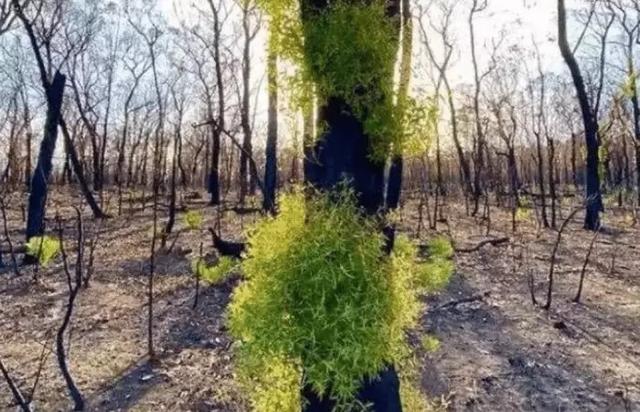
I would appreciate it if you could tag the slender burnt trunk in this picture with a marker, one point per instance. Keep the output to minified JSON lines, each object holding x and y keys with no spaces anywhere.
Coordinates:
{"x":214,"y":173}
{"x":574,"y":155}
{"x":77,"y":170}
{"x":42,"y":172}
{"x":594,"y":197}
{"x":552,"y":179}
{"x":541,"y":185}
{"x":246,"y":182}
{"x":271,"y":153}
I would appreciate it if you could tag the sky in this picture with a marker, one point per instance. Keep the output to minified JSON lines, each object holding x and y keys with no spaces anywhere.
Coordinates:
{"x":522,"y":20}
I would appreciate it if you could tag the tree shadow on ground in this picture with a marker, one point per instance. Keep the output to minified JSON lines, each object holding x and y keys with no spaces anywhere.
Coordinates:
{"x":184,"y":337}
{"x":491,"y":366}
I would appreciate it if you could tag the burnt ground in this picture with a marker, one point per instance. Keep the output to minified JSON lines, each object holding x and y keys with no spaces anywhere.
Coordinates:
{"x":498,"y":351}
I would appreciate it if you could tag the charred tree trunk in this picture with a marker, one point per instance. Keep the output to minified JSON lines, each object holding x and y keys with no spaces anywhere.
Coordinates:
{"x":574,"y":155}
{"x":541,"y":185}
{"x":247,"y":181}
{"x":214,"y":173}
{"x":42,"y":172}
{"x":552,"y":179}
{"x":594,"y":197}
{"x":77,"y":170}
{"x":342,"y":155}
{"x":271,"y":153}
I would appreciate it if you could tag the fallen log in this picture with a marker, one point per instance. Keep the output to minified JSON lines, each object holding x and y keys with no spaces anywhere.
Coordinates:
{"x":227,"y":248}
{"x":492,"y":242}
{"x":16,"y":249}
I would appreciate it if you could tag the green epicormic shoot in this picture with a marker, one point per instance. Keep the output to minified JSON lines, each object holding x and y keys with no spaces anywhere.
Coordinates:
{"x":43,"y":248}
{"x":321,"y":296}
{"x":193,"y":220}
{"x":348,"y":51}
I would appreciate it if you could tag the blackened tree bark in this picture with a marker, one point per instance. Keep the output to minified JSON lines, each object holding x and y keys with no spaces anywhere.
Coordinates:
{"x":247,"y":181}
{"x":631,"y":28}
{"x":214,"y":174}
{"x":271,"y":152}
{"x":48,"y":85}
{"x":342,"y":156}
{"x":42,"y":172}
{"x":480,"y":143}
{"x":77,"y":169}
{"x":594,"y":203}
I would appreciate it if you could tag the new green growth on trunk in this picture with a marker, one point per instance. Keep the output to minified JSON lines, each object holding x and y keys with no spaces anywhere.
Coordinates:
{"x":349,"y":51}
{"x":321,"y":296}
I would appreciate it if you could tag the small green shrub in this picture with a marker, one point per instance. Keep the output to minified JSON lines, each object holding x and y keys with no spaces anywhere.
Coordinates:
{"x":523,"y":214}
{"x":430,"y":343}
{"x":213,"y":274}
{"x":192,"y":220}
{"x":413,"y":400}
{"x":441,"y":247}
{"x":44,"y":248}
{"x":434,"y":273}
{"x":320,"y":294}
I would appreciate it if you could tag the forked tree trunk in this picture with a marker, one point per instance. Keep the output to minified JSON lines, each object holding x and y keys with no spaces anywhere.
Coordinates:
{"x":42,"y":172}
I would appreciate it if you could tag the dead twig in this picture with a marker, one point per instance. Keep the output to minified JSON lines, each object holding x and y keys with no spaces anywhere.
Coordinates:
{"x":470,"y":299}
{"x":74,"y":288}
{"x":554,"y":254}
{"x":584,"y":266}
{"x":15,"y":391}
{"x":14,"y":262}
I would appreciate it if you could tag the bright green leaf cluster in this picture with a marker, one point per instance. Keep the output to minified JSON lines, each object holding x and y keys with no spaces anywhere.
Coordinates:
{"x":44,"y":248}
{"x":440,"y":247}
{"x":430,"y":343}
{"x":435,"y":272}
{"x":213,"y":274}
{"x":321,"y":295}
{"x":629,"y":88}
{"x":523,"y":214}
{"x":193,"y":220}
{"x":348,"y":51}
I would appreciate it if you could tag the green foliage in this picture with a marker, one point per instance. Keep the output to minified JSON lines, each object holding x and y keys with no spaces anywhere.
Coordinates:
{"x":523,"y":214}
{"x":193,"y":220}
{"x":213,"y":274}
{"x":603,"y":155}
{"x":413,"y":400}
{"x":44,"y":248}
{"x":434,"y":273}
{"x":321,"y":295}
{"x":278,"y":387}
{"x":430,"y":343}
{"x":348,"y":51}
{"x":629,"y":88}
{"x":440,"y":247}
{"x":419,"y":122}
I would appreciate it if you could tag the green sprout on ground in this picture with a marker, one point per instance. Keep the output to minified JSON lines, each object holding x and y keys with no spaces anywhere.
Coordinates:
{"x":43,"y":248}
{"x":430,"y":343}
{"x":523,"y":214}
{"x":193,"y":220}
{"x":213,"y":274}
